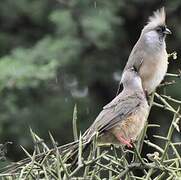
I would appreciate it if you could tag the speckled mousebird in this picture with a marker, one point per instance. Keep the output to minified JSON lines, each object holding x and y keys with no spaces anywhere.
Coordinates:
{"x":149,"y":54}
{"x":122,"y":120}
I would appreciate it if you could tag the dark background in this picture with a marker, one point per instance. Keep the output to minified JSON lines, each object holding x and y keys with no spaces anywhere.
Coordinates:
{"x":55,"y":54}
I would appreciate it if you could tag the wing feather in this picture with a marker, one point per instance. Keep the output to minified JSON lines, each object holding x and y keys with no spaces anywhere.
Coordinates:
{"x":115,"y":112}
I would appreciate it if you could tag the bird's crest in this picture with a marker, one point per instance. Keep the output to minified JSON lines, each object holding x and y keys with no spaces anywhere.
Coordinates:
{"x":157,"y":19}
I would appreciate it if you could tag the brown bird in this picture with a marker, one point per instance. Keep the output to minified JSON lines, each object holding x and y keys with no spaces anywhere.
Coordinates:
{"x":149,"y":54}
{"x":122,"y":120}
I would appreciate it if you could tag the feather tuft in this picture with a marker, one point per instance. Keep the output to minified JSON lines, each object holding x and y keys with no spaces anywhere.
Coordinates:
{"x":157,"y":19}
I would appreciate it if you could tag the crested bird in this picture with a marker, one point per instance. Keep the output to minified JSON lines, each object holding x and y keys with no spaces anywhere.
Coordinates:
{"x":149,"y":55}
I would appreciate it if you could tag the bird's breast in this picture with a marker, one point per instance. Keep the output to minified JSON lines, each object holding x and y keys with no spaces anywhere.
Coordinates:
{"x":131,"y":127}
{"x":153,"y":70}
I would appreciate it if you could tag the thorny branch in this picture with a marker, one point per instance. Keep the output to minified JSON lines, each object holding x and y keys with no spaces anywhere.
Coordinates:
{"x":114,"y":162}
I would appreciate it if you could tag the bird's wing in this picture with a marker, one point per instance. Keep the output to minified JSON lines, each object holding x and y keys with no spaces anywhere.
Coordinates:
{"x":115,"y":101}
{"x":136,"y":58}
{"x":111,"y":115}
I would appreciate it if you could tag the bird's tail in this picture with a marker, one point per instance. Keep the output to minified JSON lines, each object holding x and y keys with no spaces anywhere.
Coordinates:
{"x":69,"y":149}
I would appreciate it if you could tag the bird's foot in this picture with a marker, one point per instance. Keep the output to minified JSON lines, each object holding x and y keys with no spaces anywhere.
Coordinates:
{"x":124,"y":141}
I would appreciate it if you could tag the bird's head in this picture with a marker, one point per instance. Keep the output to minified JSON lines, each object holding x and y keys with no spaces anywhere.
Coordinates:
{"x":131,"y":79}
{"x":156,"y":29}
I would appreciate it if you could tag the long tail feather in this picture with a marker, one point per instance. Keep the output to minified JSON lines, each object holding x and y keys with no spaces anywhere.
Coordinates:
{"x":71,"y":149}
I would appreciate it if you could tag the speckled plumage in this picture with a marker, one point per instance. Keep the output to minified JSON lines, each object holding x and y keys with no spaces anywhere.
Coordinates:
{"x":149,"y":54}
{"x":124,"y":116}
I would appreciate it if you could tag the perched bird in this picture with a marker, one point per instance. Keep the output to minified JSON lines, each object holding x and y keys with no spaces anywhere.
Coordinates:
{"x":120,"y":122}
{"x":149,"y":55}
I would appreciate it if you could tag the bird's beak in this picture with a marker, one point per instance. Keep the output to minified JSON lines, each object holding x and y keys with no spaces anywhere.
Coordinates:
{"x":167,"y":31}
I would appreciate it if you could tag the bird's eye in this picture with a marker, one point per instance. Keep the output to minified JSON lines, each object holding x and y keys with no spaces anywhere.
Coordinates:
{"x":134,"y":69}
{"x":160,"y":29}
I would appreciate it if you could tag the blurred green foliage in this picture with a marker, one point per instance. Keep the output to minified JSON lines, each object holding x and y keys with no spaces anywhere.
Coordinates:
{"x":58,"y":53}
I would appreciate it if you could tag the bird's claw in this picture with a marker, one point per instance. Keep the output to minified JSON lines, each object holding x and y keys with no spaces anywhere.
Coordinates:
{"x":125,"y":141}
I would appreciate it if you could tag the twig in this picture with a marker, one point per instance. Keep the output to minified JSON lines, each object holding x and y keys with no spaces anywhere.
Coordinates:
{"x":138,"y":155}
{"x":169,"y":135}
{"x":154,"y":146}
{"x":173,"y":75}
{"x":74,"y":122}
{"x":171,"y":99}
{"x":143,"y":133}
